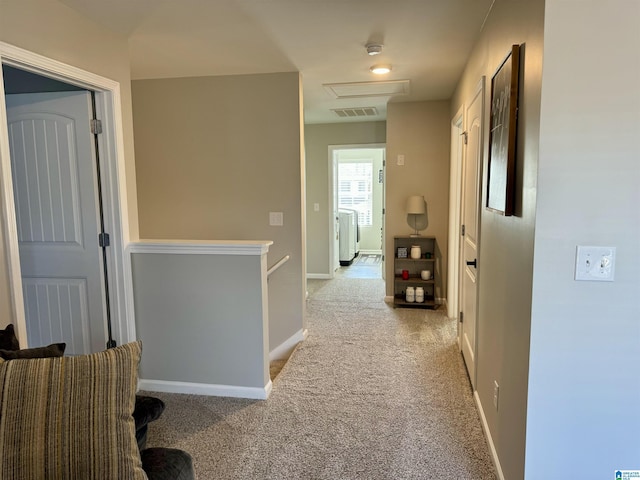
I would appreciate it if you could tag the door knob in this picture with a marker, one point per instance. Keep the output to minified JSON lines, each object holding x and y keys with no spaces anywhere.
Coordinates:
{"x":474,"y":264}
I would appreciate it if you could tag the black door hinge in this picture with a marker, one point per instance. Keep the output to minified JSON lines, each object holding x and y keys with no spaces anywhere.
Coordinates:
{"x":103,"y":240}
{"x":462,"y":230}
{"x":461,"y":317}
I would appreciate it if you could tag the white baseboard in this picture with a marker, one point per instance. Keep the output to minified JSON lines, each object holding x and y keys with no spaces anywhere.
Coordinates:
{"x":319,"y":276}
{"x":370,"y":252}
{"x":285,"y":348}
{"x":205,"y":389}
{"x":487,"y":434}
{"x":388,"y":298}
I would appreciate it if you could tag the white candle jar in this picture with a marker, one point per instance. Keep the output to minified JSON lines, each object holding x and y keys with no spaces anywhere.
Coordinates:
{"x":410,"y":295}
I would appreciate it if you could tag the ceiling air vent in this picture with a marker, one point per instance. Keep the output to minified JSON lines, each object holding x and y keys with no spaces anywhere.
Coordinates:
{"x":390,"y":88}
{"x":355,"y":112}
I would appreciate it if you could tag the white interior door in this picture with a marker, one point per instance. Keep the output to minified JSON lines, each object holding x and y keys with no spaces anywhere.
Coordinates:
{"x":55,"y":189}
{"x":469,"y":216}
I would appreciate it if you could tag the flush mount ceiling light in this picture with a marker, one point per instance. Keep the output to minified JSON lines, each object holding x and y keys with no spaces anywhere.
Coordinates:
{"x":373,"y":48}
{"x":380,"y":69}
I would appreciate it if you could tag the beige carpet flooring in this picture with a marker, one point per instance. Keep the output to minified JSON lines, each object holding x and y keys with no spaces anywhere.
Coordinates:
{"x":373,"y":393}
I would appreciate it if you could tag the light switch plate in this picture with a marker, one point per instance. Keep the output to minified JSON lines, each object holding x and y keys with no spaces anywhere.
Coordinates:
{"x":400,"y":160}
{"x":596,"y":264}
{"x":276,"y":219}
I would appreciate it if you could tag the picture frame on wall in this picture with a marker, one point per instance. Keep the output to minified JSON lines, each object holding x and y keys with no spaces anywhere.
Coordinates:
{"x":502,"y":135}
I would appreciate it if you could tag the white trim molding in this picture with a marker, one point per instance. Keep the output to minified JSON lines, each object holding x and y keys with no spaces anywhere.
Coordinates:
{"x":283,"y":350}
{"x":202,"y":247}
{"x":211,"y":390}
{"x":487,"y":434}
{"x":319,"y":276}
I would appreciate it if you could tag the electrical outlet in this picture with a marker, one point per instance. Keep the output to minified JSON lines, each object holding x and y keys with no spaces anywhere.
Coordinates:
{"x":496,"y":394}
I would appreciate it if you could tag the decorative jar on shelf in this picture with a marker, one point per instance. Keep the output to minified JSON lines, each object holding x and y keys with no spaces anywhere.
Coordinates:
{"x":419,"y":295}
{"x":410,"y":295}
{"x":416,"y":252}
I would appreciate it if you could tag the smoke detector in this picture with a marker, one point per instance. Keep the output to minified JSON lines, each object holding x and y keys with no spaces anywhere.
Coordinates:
{"x":373,"y":48}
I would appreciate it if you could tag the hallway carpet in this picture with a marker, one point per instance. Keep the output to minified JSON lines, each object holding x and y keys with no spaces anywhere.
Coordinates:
{"x":373,"y":393}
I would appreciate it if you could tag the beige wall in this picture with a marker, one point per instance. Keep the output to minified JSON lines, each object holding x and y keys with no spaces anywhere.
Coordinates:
{"x":506,"y":248}
{"x":215,"y":155}
{"x":584,"y":380}
{"x":318,"y":138}
{"x":420,"y":131}
{"x":51,"y":29}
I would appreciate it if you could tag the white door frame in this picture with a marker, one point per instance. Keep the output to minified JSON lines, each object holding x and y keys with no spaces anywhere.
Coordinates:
{"x":479,"y":91}
{"x":111,"y":148}
{"x":455,"y":198}
{"x":333,"y":207}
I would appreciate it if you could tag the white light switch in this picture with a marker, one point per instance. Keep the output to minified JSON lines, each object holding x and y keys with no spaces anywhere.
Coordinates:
{"x":596,"y":264}
{"x":316,"y":207}
{"x":276,"y":219}
{"x":400,"y":159}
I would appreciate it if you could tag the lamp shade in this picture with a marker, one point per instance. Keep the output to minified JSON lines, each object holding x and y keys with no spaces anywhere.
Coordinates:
{"x":415,"y":205}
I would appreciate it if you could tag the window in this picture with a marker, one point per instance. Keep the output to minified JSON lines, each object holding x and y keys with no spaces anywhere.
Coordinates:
{"x":355,"y":189}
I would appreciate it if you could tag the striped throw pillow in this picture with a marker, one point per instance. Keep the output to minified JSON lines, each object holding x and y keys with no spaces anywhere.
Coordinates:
{"x":70,"y":417}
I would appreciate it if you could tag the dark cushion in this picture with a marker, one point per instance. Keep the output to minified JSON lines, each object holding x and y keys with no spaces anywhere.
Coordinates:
{"x":8,"y":339}
{"x":147,"y":410}
{"x":167,"y":464}
{"x":50,"y":351}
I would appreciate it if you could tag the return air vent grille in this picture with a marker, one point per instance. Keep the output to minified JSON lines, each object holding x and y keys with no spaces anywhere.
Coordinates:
{"x":355,"y":112}
{"x":389,"y":88}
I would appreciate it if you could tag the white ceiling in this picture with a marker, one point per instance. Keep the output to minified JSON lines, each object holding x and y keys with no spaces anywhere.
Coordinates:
{"x":426,"y":41}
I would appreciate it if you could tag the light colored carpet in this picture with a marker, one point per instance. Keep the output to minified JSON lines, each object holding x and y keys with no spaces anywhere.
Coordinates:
{"x":373,"y":393}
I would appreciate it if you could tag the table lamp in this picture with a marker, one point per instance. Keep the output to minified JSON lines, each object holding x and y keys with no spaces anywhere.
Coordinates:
{"x":416,"y":206}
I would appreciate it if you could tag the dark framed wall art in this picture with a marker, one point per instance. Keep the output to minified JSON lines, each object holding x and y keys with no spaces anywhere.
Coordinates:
{"x":502,"y":136}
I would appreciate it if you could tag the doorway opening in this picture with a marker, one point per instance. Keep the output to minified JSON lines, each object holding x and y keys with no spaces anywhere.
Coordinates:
{"x":357,"y":174}
{"x":103,"y":97}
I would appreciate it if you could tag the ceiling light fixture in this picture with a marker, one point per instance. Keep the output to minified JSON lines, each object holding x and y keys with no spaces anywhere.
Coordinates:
{"x":373,"y":48}
{"x":380,"y":69}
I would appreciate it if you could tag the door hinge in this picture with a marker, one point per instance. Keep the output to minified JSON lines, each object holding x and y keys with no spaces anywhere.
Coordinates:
{"x":462,"y":230}
{"x":103,"y":240}
{"x":384,"y":210}
{"x":461,"y":317}
{"x":465,"y":138}
{"x":96,"y":126}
